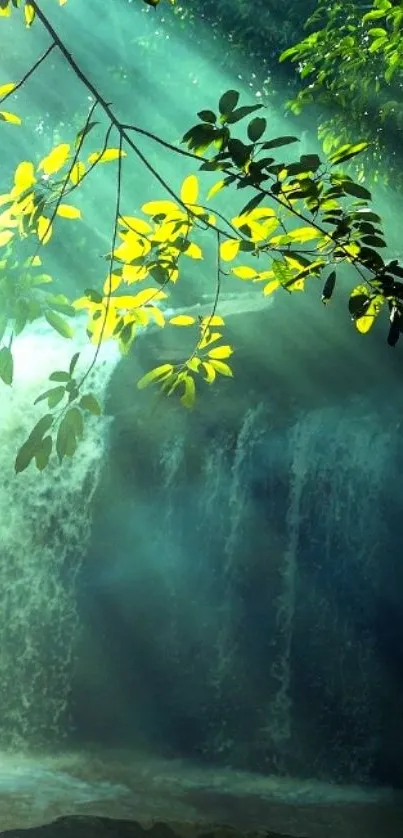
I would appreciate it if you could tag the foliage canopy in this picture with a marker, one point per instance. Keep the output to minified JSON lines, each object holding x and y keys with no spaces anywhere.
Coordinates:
{"x":301,"y":219}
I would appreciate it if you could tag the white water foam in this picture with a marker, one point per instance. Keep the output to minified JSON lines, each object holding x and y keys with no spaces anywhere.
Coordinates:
{"x":45,"y":525}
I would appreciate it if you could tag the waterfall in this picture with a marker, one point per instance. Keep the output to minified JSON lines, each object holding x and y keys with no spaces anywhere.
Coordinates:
{"x":45,"y":520}
{"x":271,"y":551}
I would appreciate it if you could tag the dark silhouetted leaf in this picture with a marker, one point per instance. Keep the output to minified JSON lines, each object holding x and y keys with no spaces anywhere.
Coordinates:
{"x":328,"y":287}
{"x":240,"y":113}
{"x":256,"y":128}
{"x":279,"y":141}
{"x":207,"y":116}
{"x":228,"y":102}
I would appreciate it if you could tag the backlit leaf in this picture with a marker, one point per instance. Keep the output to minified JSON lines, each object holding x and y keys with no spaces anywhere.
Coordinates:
{"x":221,"y":352}
{"x":222,"y":368}
{"x":159,"y":207}
{"x":68,"y":211}
{"x":77,"y":172}
{"x":5,"y":89}
{"x":244,"y":272}
{"x":271,"y":286}
{"x":6,"y":116}
{"x":190,"y":190}
{"x":106,"y":156}
{"x":157,"y":374}
{"x":44,"y":229}
{"x":29,"y":13}
{"x":182,"y":320}
{"x":215,"y":189}
{"x":188,"y":398}
{"x":229,"y":249}
{"x":59,"y":324}
{"x":210,"y":372}
{"x":24,"y":177}
{"x":194,"y":251}
{"x":55,"y":160}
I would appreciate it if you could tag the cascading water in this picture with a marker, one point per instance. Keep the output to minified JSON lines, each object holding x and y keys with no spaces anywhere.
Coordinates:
{"x":45,"y":520}
{"x":270,"y":551}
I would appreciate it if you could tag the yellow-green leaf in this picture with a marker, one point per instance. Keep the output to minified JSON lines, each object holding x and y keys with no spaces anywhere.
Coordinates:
{"x":157,"y":315}
{"x":29,"y":13}
{"x":55,"y":160}
{"x":188,"y":398}
{"x":190,"y":190}
{"x":304,"y":234}
{"x":182,"y":320}
{"x":106,"y":156}
{"x":157,"y":374}
{"x":111,"y":283}
{"x":193,"y":364}
{"x":44,"y":229}
{"x":270,"y":287}
{"x":146,"y":296}
{"x":136,"y":225}
{"x":59,"y":324}
{"x":229,"y":249}
{"x":160,"y":208}
{"x":5,"y":89}
{"x":6,"y":116}
{"x":364,"y":324}
{"x":134,"y":273}
{"x":77,"y":172}
{"x":193,"y":251}
{"x":210,"y":372}
{"x":68,"y":211}
{"x":244,"y":272}
{"x":221,"y":352}
{"x":212,"y":320}
{"x":222,"y":368}
{"x":215,"y":188}
{"x":24,"y":177}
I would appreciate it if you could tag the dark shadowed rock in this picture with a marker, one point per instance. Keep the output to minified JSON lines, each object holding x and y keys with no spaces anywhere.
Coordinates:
{"x":90,"y":827}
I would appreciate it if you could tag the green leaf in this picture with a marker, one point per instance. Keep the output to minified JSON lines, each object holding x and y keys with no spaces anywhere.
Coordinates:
{"x":42,"y":454}
{"x":3,"y":324}
{"x":73,"y":363}
{"x":90,"y":403}
{"x":64,"y":329}
{"x":346,"y":152}
{"x":157,"y":374}
{"x":66,"y":442}
{"x":54,"y":396}
{"x":59,"y":375}
{"x":6,"y":365}
{"x":25,"y":455}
